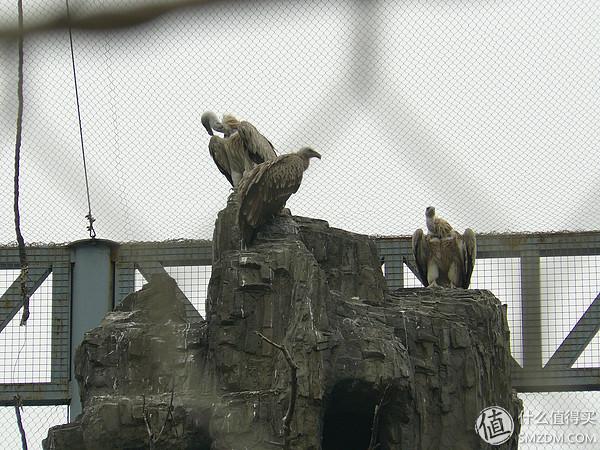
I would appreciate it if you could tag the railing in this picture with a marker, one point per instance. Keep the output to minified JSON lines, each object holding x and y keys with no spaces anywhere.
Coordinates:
{"x":54,"y":263}
{"x":44,"y":263}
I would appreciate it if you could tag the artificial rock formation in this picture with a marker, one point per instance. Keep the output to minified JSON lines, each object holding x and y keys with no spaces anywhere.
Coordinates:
{"x":428,"y":360}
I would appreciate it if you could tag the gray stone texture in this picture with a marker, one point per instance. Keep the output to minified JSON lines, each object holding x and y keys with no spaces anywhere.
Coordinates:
{"x":442,"y":354}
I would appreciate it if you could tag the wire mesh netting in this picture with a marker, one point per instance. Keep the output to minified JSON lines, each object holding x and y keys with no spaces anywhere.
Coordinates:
{"x":36,"y":422}
{"x":560,"y":421}
{"x":25,"y":351}
{"x":487,"y":110}
{"x":568,"y":286}
{"x":192,"y":280}
{"x":484,"y":109}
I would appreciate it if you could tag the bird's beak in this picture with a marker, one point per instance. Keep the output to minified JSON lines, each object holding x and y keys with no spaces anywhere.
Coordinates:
{"x":317,"y":155}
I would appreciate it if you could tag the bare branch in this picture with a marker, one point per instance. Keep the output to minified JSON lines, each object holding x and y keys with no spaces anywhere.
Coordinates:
{"x":147,"y":422}
{"x":373,"y":445}
{"x":287,"y":419}
{"x":169,"y":414}
{"x":153,"y":438}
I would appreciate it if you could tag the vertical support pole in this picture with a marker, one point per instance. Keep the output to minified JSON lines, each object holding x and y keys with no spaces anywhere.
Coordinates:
{"x":394,"y":271}
{"x":392,"y":255}
{"x":124,"y":280}
{"x":61,"y":306}
{"x":531,"y":310}
{"x":92,"y":296}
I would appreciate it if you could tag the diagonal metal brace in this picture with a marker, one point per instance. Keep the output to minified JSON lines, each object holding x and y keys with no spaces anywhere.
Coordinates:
{"x":410,"y":263}
{"x":578,"y":339}
{"x":147,"y":269}
{"x":12,"y":300}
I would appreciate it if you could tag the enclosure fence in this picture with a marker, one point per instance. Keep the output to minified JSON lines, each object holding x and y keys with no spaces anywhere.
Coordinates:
{"x":486,"y":110}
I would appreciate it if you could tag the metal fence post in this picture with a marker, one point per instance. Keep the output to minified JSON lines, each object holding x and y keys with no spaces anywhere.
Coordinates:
{"x":394,"y":271}
{"x":531,"y":311}
{"x":92,"y":296}
{"x":392,"y":254}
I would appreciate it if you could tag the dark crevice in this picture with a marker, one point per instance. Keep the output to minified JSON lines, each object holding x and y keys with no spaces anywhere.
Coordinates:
{"x":349,"y":416}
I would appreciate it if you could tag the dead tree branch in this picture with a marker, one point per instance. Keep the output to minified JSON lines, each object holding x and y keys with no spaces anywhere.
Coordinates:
{"x":18,"y":407}
{"x":147,"y":422}
{"x":373,"y":445}
{"x":287,"y":419}
{"x":153,"y":437}
{"x":168,"y":416}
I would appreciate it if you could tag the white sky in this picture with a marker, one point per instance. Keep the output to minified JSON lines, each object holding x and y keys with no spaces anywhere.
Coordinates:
{"x":487,"y":110}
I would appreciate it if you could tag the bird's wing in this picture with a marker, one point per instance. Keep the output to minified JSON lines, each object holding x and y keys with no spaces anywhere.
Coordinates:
{"x":420,"y":250}
{"x":265,"y":189}
{"x":258,"y":147}
{"x":236,"y":152}
{"x":247,"y":202}
{"x":470,"y":253}
{"x":218,"y":150}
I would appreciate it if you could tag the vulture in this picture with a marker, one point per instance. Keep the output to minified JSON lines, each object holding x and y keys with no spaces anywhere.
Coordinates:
{"x":263,"y":191}
{"x":240,"y":148}
{"x":444,"y":257}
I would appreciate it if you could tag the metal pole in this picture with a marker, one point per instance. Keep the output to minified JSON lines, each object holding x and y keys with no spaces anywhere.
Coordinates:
{"x":92,"y":296}
{"x":531,"y":310}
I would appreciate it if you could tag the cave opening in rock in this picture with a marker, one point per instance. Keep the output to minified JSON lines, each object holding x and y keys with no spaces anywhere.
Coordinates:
{"x":349,"y":416}
{"x":202,"y":442}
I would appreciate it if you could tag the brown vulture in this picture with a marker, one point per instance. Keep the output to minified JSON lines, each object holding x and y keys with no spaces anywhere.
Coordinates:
{"x":264,"y":190}
{"x":241,"y":148}
{"x":444,"y":257}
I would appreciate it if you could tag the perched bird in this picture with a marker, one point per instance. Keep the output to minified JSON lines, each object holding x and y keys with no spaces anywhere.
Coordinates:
{"x":446,"y":261}
{"x":264,"y":190}
{"x":437,"y":226}
{"x":241,"y":148}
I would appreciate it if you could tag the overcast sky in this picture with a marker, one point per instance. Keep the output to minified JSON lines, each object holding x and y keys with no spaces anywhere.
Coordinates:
{"x":486,"y":110}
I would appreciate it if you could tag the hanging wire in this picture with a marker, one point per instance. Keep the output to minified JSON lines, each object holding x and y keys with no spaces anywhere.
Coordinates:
{"x":18,"y":402}
{"x":89,"y":216}
{"x":20,"y":241}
